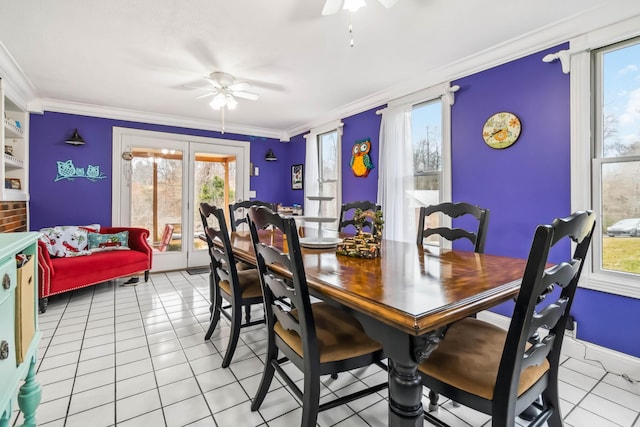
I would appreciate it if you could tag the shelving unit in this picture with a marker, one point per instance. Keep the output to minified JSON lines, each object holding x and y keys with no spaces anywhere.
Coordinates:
{"x":14,"y":134}
{"x":321,"y":240}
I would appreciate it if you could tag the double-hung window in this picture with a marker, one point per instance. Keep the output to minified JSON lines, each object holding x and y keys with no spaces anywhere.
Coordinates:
{"x":605,"y":79}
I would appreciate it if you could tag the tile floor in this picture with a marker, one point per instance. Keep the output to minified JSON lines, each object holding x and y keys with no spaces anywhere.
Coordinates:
{"x":135,"y":356}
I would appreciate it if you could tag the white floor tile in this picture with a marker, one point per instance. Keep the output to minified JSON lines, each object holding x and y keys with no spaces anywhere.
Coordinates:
{"x":136,"y":405}
{"x":180,"y":390}
{"x":150,"y":419}
{"x":135,"y":385}
{"x":609,"y":410}
{"x":91,"y":398}
{"x":186,"y":411}
{"x":101,"y":416}
{"x":582,"y":417}
{"x":225,"y":397}
{"x":239,"y":415}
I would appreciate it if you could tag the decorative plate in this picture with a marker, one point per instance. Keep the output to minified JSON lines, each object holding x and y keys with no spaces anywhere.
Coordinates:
{"x":501,"y":130}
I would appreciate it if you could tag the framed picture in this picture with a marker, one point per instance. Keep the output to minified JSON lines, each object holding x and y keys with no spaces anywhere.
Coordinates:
{"x":14,"y":183}
{"x":296,"y":177}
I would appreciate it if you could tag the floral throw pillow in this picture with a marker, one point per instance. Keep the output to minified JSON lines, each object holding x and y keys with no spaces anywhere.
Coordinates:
{"x":108,"y":242}
{"x":67,"y":240}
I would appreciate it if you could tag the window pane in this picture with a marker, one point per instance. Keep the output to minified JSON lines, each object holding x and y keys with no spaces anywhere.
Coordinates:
{"x":328,"y":168}
{"x":156,"y":196}
{"x":426,"y":125}
{"x":621,"y":102}
{"x":621,"y":216}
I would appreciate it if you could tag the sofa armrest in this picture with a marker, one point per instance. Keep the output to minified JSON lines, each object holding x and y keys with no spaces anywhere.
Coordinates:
{"x":46,"y":271}
{"x":138,"y":239}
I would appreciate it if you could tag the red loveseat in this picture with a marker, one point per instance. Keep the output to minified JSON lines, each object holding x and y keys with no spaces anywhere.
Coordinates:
{"x":58,"y":275}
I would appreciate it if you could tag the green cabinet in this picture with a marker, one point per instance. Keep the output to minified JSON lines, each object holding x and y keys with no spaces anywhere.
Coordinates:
{"x":19,"y":334}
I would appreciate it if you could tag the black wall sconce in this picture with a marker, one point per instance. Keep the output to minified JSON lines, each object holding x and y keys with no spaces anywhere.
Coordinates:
{"x":270,"y":157}
{"x":75,"y":139}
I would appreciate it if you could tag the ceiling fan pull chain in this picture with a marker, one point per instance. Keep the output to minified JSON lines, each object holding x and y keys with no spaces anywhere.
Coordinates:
{"x":351,"y":43}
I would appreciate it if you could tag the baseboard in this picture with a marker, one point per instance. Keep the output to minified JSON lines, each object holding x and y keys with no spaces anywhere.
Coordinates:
{"x":613,"y":361}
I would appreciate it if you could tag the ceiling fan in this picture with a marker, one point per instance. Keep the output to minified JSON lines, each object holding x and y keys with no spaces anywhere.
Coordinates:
{"x":225,"y":90}
{"x":333,"y":6}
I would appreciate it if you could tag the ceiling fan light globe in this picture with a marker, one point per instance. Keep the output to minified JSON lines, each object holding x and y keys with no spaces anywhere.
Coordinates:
{"x":218,"y":101}
{"x":231,"y":102}
{"x":353,"y":5}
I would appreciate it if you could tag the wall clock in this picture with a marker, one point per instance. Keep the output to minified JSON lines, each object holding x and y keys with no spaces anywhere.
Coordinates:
{"x":501,"y":130}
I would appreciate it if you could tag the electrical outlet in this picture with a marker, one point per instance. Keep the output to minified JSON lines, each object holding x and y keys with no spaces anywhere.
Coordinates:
{"x":572,"y":330}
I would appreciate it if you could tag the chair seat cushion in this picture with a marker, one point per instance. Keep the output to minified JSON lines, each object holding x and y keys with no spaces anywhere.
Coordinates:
{"x":468,"y":358}
{"x":340,"y":335}
{"x":249,"y":283}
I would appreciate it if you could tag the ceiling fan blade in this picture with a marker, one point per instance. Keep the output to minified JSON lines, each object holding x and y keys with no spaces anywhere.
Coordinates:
{"x":205,"y":95}
{"x":242,"y":86}
{"x":388,"y":3}
{"x":331,"y":7}
{"x":246,"y":95}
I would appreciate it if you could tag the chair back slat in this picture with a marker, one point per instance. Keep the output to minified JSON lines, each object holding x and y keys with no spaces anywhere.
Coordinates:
{"x":279,"y":287}
{"x":450,"y":234}
{"x":223,"y":262}
{"x":286,"y":319}
{"x":238,"y":211}
{"x":561,"y":274}
{"x":455,"y":210}
{"x":282,"y":276}
{"x":537,"y":283}
{"x":535,"y":355}
{"x":363,"y":205}
{"x":549,"y":316}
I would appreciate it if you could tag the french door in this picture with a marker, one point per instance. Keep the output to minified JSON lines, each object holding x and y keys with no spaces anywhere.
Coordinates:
{"x":159,"y":180}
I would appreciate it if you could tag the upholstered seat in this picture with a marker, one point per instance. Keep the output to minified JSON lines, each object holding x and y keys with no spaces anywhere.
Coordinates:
{"x":339,"y":335}
{"x":248,"y":282}
{"x":469,"y":358}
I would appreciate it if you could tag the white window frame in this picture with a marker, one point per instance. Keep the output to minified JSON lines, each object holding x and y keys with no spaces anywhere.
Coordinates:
{"x":582,"y":143}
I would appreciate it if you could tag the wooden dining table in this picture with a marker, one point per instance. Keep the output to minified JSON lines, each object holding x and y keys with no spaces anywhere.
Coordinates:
{"x":404,"y":299}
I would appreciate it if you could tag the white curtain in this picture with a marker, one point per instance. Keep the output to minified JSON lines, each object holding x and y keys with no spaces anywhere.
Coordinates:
{"x":311,"y":186}
{"x":396,"y":182}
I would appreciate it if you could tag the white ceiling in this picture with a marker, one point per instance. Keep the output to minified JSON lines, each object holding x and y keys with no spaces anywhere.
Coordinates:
{"x":132,"y":58}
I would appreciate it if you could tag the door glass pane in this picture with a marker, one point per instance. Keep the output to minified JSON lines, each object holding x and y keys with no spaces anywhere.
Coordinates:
{"x":328,"y":167}
{"x":215,"y":184}
{"x":621,"y":216}
{"x":156,"y":196}
{"x":426,"y":131}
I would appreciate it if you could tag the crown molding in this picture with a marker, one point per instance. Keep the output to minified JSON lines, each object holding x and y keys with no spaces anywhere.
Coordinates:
{"x":92,"y":110}
{"x":16,"y":85}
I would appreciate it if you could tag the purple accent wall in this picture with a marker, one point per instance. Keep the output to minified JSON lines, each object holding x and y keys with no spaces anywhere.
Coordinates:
{"x":357,"y":127}
{"x":83,"y":202}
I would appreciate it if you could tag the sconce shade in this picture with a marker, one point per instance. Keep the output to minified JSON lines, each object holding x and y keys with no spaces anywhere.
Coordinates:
{"x":270,"y":157}
{"x":75,"y":139}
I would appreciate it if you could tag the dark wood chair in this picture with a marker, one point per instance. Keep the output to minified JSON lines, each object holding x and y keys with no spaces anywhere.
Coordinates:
{"x":319,"y":339}
{"x":238,"y":211}
{"x":455,"y":210}
{"x":502,"y":372}
{"x":238,"y":288}
{"x":346,"y":214}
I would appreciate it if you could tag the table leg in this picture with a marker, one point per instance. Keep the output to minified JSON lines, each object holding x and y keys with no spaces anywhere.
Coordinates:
{"x":405,"y":386}
{"x":29,"y":396}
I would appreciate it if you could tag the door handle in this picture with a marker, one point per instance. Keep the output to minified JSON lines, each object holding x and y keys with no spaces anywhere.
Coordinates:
{"x":6,"y":281}
{"x":4,"y":350}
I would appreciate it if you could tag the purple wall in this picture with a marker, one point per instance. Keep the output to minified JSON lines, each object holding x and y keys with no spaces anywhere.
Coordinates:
{"x":83,"y":202}
{"x":360,"y":126}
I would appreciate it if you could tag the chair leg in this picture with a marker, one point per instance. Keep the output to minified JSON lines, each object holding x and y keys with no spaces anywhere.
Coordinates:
{"x":551,"y":399}
{"x":247,"y":313}
{"x":310,"y":399}
{"x":267,"y":375}
{"x":216,"y":306}
{"x":146,"y":276}
{"x":433,"y":400}
{"x":236,"y":321}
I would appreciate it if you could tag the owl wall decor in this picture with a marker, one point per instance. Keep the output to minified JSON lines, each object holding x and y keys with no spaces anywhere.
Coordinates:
{"x":360,"y":162}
